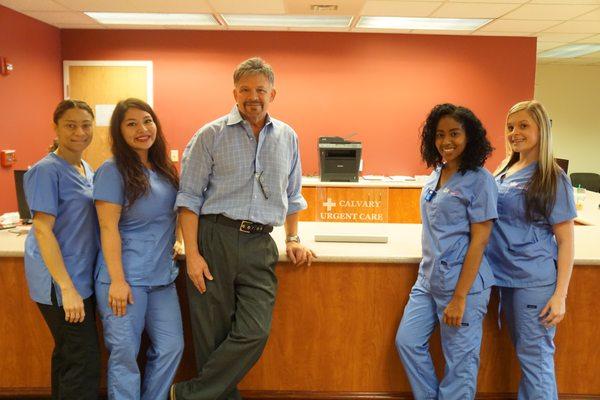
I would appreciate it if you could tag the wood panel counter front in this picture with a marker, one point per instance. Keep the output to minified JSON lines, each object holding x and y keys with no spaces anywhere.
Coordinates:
{"x":334,"y":324}
{"x":378,"y":201}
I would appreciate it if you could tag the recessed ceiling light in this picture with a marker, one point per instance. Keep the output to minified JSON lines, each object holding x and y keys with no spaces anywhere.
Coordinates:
{"x":446,"y":24}
{"x":152,"y":18}
{"x":570,"y":51}
{"x":302,"y":21}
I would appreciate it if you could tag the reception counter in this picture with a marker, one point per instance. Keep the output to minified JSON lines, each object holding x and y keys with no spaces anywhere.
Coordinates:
{"x":388,"y":201}
{"x":334,"y":323}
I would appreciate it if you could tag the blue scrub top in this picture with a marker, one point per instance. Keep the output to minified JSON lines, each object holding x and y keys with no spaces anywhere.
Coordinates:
{"x":55,"y":187}
{"x":524,"y":253}
{"x":147,"y":228}
{"x":447,"y":218}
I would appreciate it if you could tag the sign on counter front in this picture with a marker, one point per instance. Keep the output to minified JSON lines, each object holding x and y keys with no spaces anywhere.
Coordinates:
{"x":338,"y":204}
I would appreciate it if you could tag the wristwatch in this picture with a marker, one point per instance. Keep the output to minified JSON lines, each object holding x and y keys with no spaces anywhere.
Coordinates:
{"x":292,"y":238}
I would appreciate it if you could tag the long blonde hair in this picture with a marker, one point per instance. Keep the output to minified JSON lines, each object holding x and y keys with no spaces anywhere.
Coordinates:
{"x":541,"y":188}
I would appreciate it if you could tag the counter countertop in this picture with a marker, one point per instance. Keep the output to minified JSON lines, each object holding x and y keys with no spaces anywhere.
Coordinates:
{"x":589,"y":214}
{"x":386,"y":182}
{"x":404,"y":244}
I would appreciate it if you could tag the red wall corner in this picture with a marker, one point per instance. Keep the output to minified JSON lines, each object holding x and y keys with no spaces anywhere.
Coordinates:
{"x":28,"y":94}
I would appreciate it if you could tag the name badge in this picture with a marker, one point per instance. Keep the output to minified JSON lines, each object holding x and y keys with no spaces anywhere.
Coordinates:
{"x":430,"y":194}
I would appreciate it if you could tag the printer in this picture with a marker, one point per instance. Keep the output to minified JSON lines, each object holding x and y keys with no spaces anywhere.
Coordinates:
{"x":339,"y":159}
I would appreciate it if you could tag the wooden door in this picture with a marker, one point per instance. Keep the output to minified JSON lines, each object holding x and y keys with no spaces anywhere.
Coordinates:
{"x":104,"y":84}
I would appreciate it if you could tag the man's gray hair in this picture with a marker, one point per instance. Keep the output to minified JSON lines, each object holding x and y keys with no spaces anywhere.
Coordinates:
{"x":252,"y":66}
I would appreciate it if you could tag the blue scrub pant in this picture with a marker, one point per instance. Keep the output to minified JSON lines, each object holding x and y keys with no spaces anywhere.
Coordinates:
{"x":155,"y":309}
{"x":460,"y":345}
{"x":534,"y":343}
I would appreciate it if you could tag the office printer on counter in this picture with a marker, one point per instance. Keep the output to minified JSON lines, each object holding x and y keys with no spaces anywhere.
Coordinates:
{"x":339,"y":159}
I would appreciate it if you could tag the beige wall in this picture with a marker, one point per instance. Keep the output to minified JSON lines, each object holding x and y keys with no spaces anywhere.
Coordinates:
{"x":571,"y":94}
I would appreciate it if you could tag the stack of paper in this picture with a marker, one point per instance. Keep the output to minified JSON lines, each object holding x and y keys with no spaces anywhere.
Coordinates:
{"x":401,"y":178}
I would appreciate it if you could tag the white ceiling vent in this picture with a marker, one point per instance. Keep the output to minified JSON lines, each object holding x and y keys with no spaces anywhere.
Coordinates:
{"x":323,"y":7}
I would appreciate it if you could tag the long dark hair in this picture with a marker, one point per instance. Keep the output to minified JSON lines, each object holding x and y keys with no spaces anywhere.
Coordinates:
{"x":135,"y":178}
{"x":478,"y":147}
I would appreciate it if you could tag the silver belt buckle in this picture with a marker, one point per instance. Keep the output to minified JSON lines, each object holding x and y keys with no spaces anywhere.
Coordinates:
{"x":245,"y":226}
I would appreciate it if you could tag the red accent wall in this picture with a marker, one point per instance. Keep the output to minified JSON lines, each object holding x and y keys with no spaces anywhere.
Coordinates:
{"x":378,"y":85}
{"x":28,"y":95}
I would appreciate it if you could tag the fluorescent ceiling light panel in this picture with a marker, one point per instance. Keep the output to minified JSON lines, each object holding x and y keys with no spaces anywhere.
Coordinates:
{"x":405,"y":23}
{"x":152,"y":18}
{"x":285,"y":21}
{"x":570,"y":51}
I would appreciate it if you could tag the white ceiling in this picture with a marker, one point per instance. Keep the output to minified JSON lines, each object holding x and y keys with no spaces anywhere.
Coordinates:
{"x":553,"y":22}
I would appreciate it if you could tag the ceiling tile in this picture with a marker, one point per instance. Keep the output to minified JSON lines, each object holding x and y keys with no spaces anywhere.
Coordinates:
{"x":592,"y":56}
{"x":559,"y":12}
{"x":162,"y":27}
{"x":103,"y":5}
{"x":473,"y":10}
{"x":492,"y":33}
{"x":576,"y":27}
{"x":193,"y":27}
{"x":567,"y":2}
{"x":53,"y":18}
{"x":80,"y":26}
{"x":434,"y":32}
{"x":512,"y":25}
{"x":561,"y":37}
{"x":562,"y":61}
{"x":33,"y":5}
{"x":248,"y":6}
{"x":543,"y":46}
{"x":344,"y":7}
{"x":582,"y":61}
{"x":591,"y":39}
{"x":170,"y":6}
{"x":489,"y":1}
{"x":591,"y":16}
{"x":299,"y":29}
{"x":371,"y":30}
{"x":392,"y":8}
{"x":257,"y":28}
{"x":150,"y":6}
{"x":544,"y":61}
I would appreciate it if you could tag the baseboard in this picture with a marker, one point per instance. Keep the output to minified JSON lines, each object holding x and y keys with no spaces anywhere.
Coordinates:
{"x":24,"y":392}
{"x":44,"y":393}
{"x":303,"y":395}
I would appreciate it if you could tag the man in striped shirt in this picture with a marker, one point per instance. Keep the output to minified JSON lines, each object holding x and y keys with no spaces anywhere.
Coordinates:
{"x":241,"y":176}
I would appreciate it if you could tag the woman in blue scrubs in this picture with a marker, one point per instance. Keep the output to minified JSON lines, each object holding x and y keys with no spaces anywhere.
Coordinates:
{"x":531,"y":247}
{"x":458,"y":207}
{"x":135,"y":194}
{"x":61,"y":250}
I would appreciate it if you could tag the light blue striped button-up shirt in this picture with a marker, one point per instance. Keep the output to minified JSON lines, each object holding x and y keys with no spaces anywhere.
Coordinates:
{"x":224,"y":171}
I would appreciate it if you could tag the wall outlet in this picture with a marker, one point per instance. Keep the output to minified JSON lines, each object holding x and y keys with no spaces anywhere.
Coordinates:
{"x":175,"y":155}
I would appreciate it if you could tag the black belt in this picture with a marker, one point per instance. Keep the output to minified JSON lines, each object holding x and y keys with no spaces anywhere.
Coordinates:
{"x":241,"y":225}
